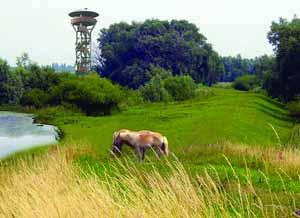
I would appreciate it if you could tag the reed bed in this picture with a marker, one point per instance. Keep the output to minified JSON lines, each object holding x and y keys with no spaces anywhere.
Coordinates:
{"x":52,"y":186}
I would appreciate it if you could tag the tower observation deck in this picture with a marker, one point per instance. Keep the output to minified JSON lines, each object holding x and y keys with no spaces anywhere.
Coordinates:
{"x":83,"y":22}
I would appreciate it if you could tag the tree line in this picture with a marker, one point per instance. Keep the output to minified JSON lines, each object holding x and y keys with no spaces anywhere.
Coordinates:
{"x":157,"y":58}
{"x":30,"y":85}
{"x":128,"y":51}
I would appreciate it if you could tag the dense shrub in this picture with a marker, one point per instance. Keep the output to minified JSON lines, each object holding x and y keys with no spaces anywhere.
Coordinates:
{"x":38,"y":87}
{"x":133,"y":97}
{"x":91,"y":94}
{"x":203,"y":92}
{"x":22,"y":84}
{"x":154,"y":91}
{"x":158,"y":71}
{"x":246,"y":83}
{"x":259,"y":90}
{"x":180,"y":87}
{"x":35,"y":97}
{"x":294,"y":109}
{"x":177,"y":88}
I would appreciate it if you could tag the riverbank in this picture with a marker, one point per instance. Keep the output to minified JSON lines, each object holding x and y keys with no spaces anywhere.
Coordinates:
{"x":19,"y":132}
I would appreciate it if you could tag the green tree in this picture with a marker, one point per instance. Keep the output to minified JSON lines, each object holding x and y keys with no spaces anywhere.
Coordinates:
{"x":129,"y":51}
{"x":11,"y":87}
{"x":285,"y":38}
{"x":23,"y":60}
{"x":236,"y":66}
{"x":216,"y":69}
{"x":264,"y":65}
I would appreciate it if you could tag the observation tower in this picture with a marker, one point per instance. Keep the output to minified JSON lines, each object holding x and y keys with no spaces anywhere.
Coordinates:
{"x":83,"y":22}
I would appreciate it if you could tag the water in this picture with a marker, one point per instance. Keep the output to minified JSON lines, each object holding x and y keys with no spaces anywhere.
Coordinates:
{"x":18,"y":133}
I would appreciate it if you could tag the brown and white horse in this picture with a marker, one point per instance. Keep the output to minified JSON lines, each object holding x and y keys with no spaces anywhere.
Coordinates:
{"x":140,"y":141}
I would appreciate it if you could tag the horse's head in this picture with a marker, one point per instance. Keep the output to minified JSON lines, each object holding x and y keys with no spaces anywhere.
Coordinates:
{"x":165,"y":146}
{"x":116,"y":143}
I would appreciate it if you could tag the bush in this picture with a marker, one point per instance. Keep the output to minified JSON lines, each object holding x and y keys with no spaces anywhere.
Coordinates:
{"x":203,"y":92}
{"x":259,"y":90}
{"x":159,"y":71}
{"x":246,"y":83}
{"x":92,"y":94}
{"x":177,"y":88}
{"x":48,"y":114}
{"x":154,"y":91}
{"x":294,"y":109}
{"x":35,"y":97}
{"x":25,"y":85}
{"x":133,"y":97}
{"x":40,"y":87}
{"x":180,"y":87}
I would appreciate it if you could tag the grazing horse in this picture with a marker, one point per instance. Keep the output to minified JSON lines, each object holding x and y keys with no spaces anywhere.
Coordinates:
{"x":140,"y":141}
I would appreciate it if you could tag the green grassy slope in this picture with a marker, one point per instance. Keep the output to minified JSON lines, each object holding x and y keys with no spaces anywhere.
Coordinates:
{"x":226,"y":115}
{"x":192,"y":127}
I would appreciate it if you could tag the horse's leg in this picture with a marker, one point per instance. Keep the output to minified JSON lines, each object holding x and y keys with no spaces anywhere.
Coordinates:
{"x":120,"y":149}
{"x":158,"y":152}
{"x":139,"y":153}
{"x":143,"y":153}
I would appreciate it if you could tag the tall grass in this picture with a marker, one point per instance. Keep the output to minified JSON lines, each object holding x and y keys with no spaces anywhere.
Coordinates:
{"x":294,"y":140}
{"x":52,"y":186}
{"x":283,"y":159}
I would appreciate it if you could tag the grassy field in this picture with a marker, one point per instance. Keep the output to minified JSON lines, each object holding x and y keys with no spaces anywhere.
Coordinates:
{"x":223,"y":115}
{"x":227,"y":146}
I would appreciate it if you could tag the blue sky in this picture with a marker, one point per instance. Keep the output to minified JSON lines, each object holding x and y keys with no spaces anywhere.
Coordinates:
{"x":42,"y":27}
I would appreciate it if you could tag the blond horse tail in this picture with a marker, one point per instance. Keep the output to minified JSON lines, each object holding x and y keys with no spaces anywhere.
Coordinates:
{"x":165,"y":145}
